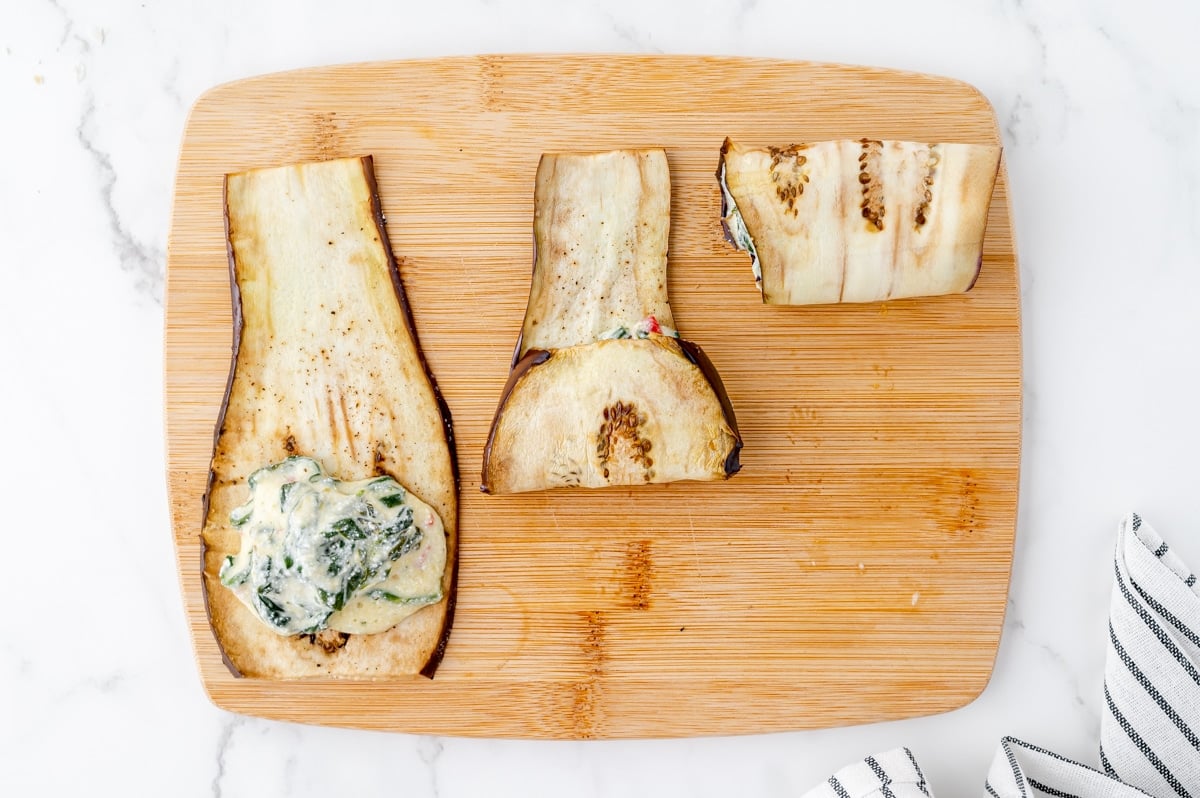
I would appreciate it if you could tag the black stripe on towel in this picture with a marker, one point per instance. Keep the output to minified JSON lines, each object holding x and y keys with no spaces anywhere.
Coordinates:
{"x":1164,"y":612}
{"x":1151,"y":690}
{"x":1191,"y":580}
{"x":838,"y":788}
{"x":1039,"y":750}
{"x":1137,"y":522}
{"x":1162,"y":636}
{"x":1018,"y":779}
{"x":1108,"y":768}
{"x":1161,"y":550}
{"x":921,"y":785}
{"x":991,"y":790}
{"x":1137,"y":740}
{"x":1046,"y":788}
{"x":884,"y":780}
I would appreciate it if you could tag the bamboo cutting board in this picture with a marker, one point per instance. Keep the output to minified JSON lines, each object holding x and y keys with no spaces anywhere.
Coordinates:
{"x":855,"y":570}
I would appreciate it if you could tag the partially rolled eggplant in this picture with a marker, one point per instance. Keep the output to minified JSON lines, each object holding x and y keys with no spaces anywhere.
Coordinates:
{"x":858,"y":221}
{"x":331,"y":516}
{"x":603,"y":391}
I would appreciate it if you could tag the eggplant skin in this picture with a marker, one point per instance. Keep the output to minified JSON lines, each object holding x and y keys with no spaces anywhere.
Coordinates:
{"x":326,"y":363}
{"x":861,"y":220}
{"x":616,"y":412}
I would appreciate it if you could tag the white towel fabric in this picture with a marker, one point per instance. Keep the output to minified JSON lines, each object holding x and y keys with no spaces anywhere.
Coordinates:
{"x":1149,"y":743}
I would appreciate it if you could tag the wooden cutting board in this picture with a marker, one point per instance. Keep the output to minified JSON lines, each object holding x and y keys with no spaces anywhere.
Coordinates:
{"x":856,"y":570}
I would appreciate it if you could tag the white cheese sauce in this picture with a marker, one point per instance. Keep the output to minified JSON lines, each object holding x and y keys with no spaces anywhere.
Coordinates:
{"x":319,"y":553}
{"x":737,"y":228}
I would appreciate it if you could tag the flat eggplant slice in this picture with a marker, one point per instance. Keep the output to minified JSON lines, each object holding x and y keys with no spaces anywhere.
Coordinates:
{"x":617,"y":412}
{"x":326,"y":364}
{"x":603,"y":391}
{"x":859,"y":221}
{"x":600,"y":229}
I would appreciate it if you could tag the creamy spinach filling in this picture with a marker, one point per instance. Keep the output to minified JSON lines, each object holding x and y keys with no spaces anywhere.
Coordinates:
{"x":642,"y":329}
{"x":737,"y":228}
{"x":320,"y":553}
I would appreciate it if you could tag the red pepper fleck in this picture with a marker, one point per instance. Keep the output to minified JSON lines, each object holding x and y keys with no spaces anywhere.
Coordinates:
{"x":652,"y":325}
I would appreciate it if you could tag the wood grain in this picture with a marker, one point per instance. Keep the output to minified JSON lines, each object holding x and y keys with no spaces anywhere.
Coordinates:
{"x":856,"y":570}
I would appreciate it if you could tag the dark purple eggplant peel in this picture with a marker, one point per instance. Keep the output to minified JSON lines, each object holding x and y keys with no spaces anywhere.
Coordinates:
{"x":603,"y":390}
{"x":326,"y":365}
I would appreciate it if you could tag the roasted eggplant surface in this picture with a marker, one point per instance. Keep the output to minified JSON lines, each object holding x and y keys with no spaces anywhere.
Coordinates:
{"x":604,"y":391}
{"x":618,"y":412}
{"x":331,"y":516}
{"x":600,"y":226}
{"x":858,"y":221}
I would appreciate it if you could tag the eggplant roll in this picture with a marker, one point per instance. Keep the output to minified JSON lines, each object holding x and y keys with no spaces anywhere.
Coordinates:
{"x":603,"y":390}
{"x":858,"y":221}
{"x":331,"y":515}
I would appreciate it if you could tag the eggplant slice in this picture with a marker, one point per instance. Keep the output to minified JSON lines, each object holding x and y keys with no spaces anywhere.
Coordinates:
{"x":858,"y":221}
{"x":603,"y":391}
{"x":600,"y":226}
{"x":326,"y":366}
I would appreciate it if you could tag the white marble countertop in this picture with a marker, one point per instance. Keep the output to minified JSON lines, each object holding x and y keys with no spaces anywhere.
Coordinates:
{"x":1099,"y":104}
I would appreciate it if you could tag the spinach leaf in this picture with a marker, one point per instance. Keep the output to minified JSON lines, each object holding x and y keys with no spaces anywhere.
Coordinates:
{"x":349,"y":529}
{"x":271,"y":610}
{"x":283,"y":494}
{"x":241,"y":515}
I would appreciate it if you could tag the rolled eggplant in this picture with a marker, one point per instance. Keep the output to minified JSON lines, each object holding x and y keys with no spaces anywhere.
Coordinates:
{"x":858,"y":221}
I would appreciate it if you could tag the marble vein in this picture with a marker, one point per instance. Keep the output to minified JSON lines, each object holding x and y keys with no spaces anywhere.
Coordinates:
{"x":145,"y":262}
{"x":1022,"y":123}
{"x":1058,"y":660}
{"x":430,"y":749}
{"x":631,"y":35}
{"x":1173,"y":119}
{"x":224,"y":742}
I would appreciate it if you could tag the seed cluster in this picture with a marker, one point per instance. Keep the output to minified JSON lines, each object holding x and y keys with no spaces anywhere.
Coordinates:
{"x":622,"y":424}
{"x":788,"y":174}
{"x":870,"y":179}
{"x":930,"y":170}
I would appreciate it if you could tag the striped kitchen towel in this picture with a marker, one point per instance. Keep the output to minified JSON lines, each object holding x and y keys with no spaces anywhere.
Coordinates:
{"x":1148,"y":736}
